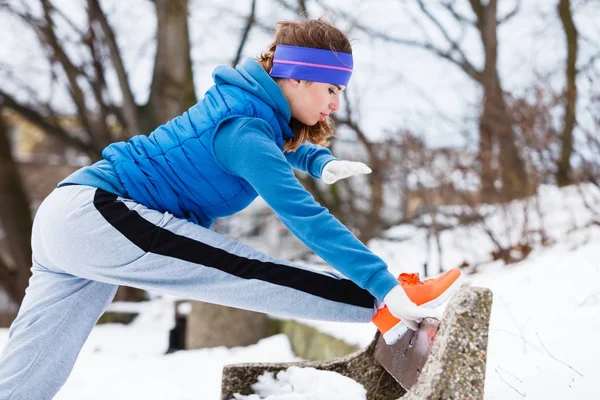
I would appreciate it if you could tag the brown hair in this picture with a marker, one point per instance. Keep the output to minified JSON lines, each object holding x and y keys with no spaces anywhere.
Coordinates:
{"x":318,"y":34}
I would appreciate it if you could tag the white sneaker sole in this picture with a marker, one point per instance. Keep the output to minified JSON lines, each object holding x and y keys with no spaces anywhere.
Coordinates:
{"x":398,"y":330}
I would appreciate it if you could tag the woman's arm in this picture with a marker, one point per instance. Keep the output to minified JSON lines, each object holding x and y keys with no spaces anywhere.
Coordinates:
{"x":246,"y":147}
{"x":309,"y":158}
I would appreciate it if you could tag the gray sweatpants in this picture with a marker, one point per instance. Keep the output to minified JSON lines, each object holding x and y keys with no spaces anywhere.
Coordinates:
{"x":87,"y":241}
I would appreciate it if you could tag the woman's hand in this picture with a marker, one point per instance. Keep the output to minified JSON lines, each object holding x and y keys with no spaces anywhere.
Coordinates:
{"x":401,"y":307}
{"x":340,"y":169}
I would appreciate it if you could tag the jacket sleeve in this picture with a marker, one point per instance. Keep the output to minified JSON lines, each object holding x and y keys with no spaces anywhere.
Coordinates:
{"x":247,"y":148}
{"x":309,"y":158}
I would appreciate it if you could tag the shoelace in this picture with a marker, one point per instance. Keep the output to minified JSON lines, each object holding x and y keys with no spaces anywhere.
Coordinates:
{"x":410,"y":279}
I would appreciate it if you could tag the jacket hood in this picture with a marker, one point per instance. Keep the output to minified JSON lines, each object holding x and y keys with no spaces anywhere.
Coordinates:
{"x":251,"y":77}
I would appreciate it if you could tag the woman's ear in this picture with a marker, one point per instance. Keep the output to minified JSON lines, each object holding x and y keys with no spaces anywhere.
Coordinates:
{"x":294,"y":82}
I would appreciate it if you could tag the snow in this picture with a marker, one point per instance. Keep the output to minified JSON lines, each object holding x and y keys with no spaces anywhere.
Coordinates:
{"x":129,"y":361}
{"x":137,"y":370}
{"x":544,"y":327}
{"x":305,"y":383}
{"x":543,"y":330}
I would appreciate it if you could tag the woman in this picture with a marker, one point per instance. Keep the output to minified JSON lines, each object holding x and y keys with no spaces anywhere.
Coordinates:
{"x":140,"y":217}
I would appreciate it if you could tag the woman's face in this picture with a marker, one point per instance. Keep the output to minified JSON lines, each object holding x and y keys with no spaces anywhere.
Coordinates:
{"x":311,"y":102}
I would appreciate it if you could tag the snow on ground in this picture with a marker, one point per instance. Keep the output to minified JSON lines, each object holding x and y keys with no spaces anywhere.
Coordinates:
{"x":305,"y":383}
{"x":129,"y":362}
{"x":543,"y":331}
{"x":544,"y":326}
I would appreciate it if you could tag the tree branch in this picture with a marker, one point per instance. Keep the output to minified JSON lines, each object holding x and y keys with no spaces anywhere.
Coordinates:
{"x":478,"y":9}
{"x":98,"y":85}
{"x":454,"y":46}
{"x":71,"y":70}
{"x":288,"y":6}
{"x":372,"y":220}
{"x":589,"y":64}
{"x":511,"y":14}
{"x":457,"y":16}
{"x":302,"y":9}
{"x":68,"y":21}
{"x":464,"y":64}
{"x":350,"y":123}
{"x":435,"y":21}
{"x":52,"y":129}
{"x":249,"y":23}
{"x":130,"y":109}
{"x":267,"y":28}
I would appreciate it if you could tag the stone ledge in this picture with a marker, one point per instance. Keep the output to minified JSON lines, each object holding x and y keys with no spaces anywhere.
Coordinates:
{"x":455,"y":368}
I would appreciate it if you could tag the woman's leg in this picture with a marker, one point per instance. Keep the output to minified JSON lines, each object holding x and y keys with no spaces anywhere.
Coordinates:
{"x":55,"y":319}
{"x":100,"y":237}
{"x":86,"y":242}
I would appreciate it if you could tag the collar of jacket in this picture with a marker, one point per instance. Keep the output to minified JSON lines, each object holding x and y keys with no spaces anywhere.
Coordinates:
{"x":251,"y":77}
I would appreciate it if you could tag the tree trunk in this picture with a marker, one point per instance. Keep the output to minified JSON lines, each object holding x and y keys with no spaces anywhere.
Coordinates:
{"x":486,"y":148}
{"x":563,"y":174}
{"x":496,"y":123}
{"x":172,"y":90}
{"x":512,"y":168}
{"x":16,"y":221}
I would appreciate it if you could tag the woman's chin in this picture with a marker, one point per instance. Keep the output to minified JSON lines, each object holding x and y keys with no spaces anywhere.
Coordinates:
{"x":316,"y":122}
{"x":311,"y":122}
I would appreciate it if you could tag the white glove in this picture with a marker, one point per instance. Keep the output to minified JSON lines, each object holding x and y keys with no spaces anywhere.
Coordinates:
{"x":400,"y":306}
{"x":339,"y":169}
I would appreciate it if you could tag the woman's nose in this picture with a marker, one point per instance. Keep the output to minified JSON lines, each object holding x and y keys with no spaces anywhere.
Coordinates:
{"x":334,"y":106}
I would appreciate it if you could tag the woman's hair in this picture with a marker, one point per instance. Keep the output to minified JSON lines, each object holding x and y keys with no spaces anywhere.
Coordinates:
{"x":318,"y":34}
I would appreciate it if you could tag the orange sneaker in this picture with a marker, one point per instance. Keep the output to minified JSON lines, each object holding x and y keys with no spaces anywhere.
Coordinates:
{"x":429,"y":293}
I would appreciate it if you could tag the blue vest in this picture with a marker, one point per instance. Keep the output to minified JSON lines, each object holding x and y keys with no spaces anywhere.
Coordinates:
{"x":174,"y":168}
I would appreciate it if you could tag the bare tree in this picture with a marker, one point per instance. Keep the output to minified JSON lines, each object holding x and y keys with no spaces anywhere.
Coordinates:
{"x":248,"y":26}
{"x":368,"y":221}
{"x":172,"y":88}
{"x":15,"y":219}
{"x":172,"y":92}
{"x":563,"y":174}
{"x":496,"y":133}
{"x":535,"y":127}
{"x":496,"y":123}
{"x":589,"y":154}
{"x":300,"y":9}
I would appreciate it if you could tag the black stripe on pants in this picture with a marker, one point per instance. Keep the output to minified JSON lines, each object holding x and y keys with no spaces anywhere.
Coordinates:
{"x":154,"y":239}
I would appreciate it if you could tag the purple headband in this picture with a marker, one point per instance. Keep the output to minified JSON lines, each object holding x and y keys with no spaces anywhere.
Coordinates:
{"x":310,"y":64}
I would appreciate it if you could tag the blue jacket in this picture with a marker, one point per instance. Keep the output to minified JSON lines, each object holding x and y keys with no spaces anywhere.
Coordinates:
{"x":217,"y":157}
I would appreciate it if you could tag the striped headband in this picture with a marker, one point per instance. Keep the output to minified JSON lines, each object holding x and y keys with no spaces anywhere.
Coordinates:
{"x":311,"y":64}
